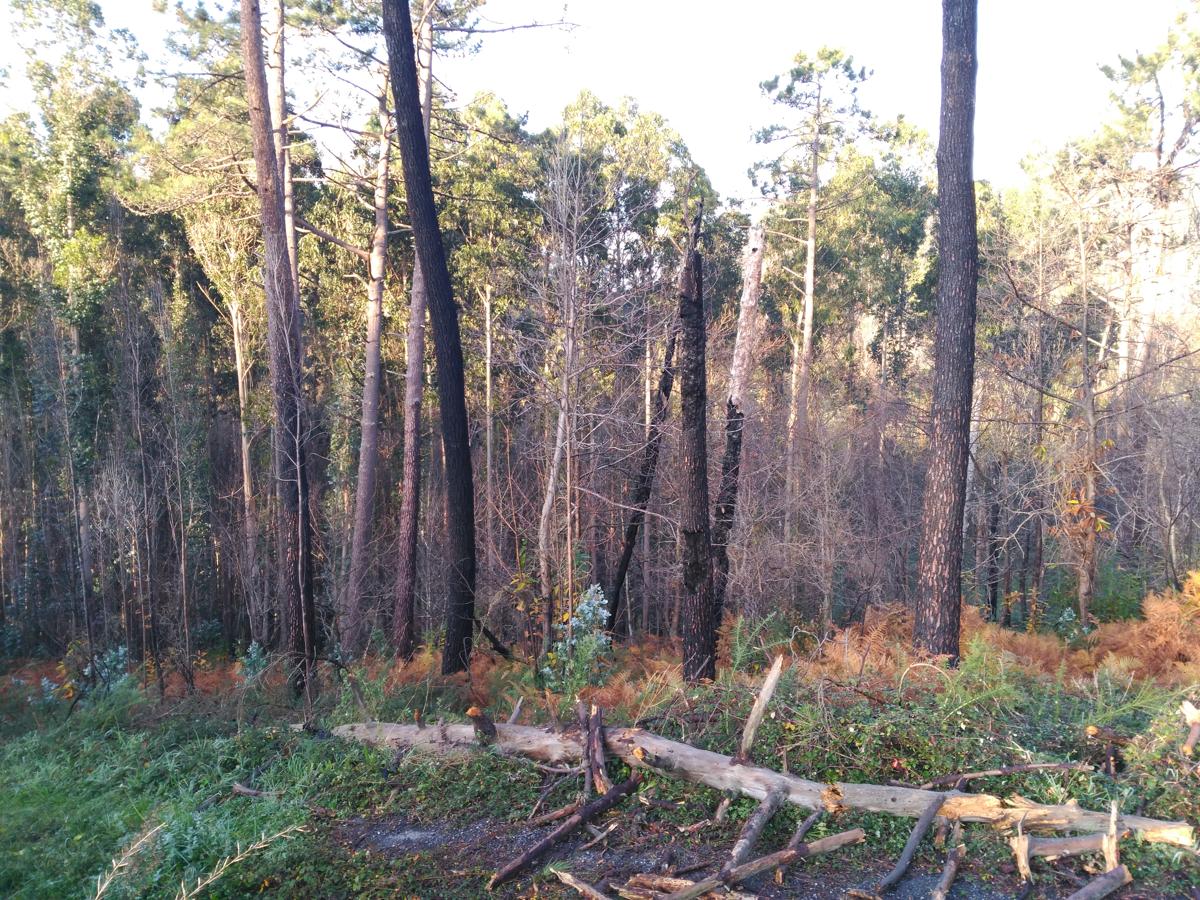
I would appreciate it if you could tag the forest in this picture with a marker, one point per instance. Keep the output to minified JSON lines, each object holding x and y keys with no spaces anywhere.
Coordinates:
{"x":378,"y":472}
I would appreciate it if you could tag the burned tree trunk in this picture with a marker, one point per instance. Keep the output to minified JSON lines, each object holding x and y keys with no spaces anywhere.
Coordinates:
{"x":293,"y":524}
{"x":644,"y":484}
{"x":699,"y":626}
{"x":748,"y":328}
{"x":936,"y":625}
{"x":443,"y":313}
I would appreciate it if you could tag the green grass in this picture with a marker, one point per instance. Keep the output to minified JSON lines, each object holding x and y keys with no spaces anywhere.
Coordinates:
{"x":75,"y":790}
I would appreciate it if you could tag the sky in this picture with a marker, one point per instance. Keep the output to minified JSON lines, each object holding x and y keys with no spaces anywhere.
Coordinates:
{"x":699,"y":64}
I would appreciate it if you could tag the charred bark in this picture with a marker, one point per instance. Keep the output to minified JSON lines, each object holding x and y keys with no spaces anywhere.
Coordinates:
{"x":698,"y":623}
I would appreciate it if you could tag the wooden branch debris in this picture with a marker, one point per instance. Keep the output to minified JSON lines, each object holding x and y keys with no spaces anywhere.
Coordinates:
{"x":797,"y":839}
{"x":1191,"y":718}
{"x":959,"y":780}
{"x":751,"y":831}
{"x":590,"y":811}
{"x":1112,"y":841}
{"x":649,"y":886}
{"x":595,"y":736}
{"x":585,"y":746}
{"x":642,"y":749}
{"x":910,"y":848}
{"x":1025,"y":847}
{"x":1104,"y":885}
{"x":737,"y":875}
{"x":954,"y":859}
{"x":742,"y":757}
{"x":516,"y":713}
{"x":581,"y":887}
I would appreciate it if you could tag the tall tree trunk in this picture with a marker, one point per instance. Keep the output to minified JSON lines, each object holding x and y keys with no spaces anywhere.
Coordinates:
{"x":404,"y":620}
{"x":644,"y":484}
{"x":443,"y":313}
{"x":802,"y":339}
{"x":744,"y":346}
{"x":1086,"y":563}
{"x":489,"y":513}
{"x":939,"y":568}
{"x":277,"y":98}
{"x":991,"y":510}
{"x":284,"y":358}
{"x":545,"y":520}
{"x":249,"y":568}
{"x":699,"y":625}
{"x":354,"y":624}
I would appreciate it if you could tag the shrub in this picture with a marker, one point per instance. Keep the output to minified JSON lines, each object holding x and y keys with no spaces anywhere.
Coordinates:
{"x":577,"y":658}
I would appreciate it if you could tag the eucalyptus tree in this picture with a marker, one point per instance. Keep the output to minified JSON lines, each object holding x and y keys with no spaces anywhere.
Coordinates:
{"x":285,"y":354}
{"x":71,"y":156}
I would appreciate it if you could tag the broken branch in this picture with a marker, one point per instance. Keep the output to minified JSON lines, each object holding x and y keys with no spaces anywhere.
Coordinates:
{"x":588,"y":812}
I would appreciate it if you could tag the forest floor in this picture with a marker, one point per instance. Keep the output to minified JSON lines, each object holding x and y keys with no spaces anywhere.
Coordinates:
{"x":81,"y":782}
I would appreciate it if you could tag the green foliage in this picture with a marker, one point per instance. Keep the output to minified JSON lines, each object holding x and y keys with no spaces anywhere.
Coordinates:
{"x":253,"y":662}
{"x":578,"y":656}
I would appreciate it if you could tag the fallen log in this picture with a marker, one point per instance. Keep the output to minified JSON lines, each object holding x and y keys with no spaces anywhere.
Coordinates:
{"x":642,"y":749}
{"x":1104,"y":885}
{"x":590,"y":811}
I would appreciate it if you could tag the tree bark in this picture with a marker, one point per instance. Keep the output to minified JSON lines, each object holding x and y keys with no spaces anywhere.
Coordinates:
{"x":802,"y":340}
{"x":249,"y":568}
{"x":354,"y":624}
{"x":284,"y":359}
{"x":443,"y":312}
{"x":745,"y":343}
{"x":937,"y":606}
{"x":404,"y":620}
{"x":699,"y":625}
{"x":277,"y":99}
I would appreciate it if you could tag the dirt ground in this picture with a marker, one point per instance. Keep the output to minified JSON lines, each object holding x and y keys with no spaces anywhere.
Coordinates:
{"x":463,"y":853}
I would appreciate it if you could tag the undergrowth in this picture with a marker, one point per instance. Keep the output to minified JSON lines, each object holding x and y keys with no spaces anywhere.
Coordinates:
{"x":83,"y":782}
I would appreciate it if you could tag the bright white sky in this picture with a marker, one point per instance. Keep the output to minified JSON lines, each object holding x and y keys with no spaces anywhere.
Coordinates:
{"x":699,"y":63}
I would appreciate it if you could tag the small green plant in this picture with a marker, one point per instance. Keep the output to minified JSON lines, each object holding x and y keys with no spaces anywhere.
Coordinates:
{"x":745,"y":642}
{"x":253,"y":662}
{"x":577,"y":658}
{"x":108,"y":670}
